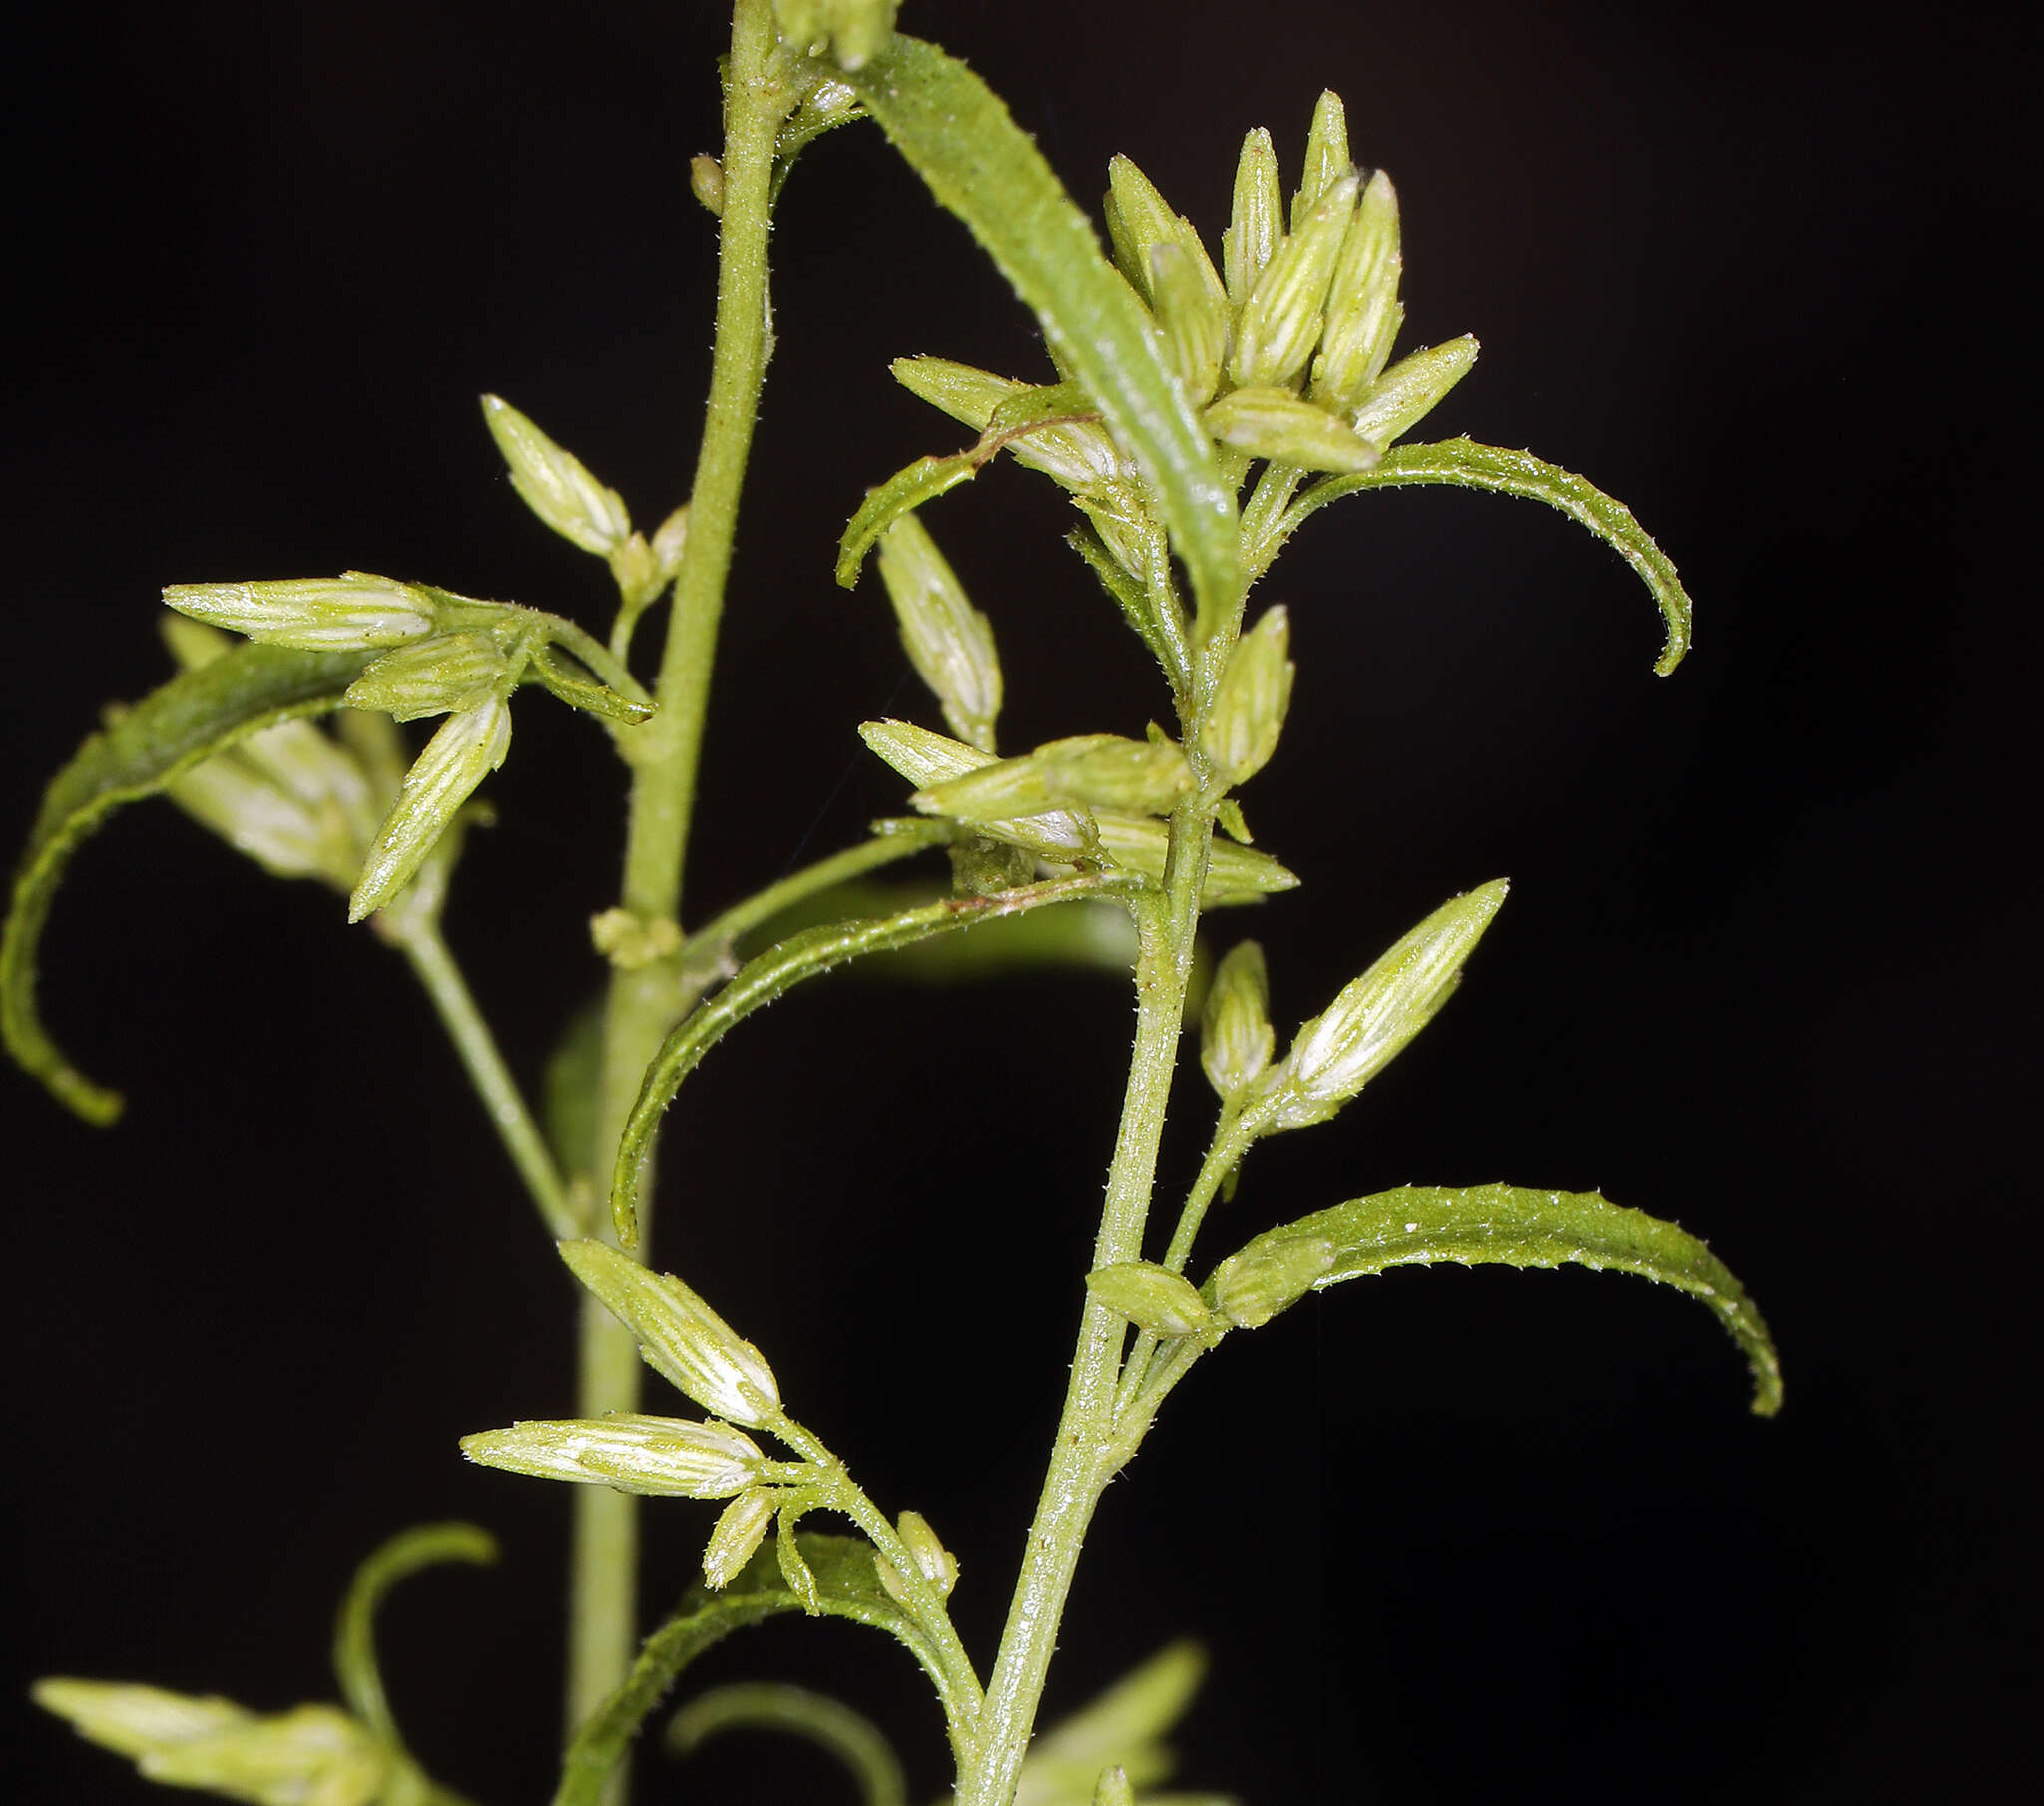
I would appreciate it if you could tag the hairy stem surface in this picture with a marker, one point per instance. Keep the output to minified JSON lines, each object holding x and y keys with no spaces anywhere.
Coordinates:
{"x":642,"y":1005}
{"x":1082,"y":1460}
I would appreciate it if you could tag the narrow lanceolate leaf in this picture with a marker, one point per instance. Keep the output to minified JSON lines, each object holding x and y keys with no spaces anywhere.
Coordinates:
{"x":1464,"y":464}
{"x":808,"y":954}
{"x":845,"y":1587}
{"x":979,"y":164}
{"x":355,"y":1631}
{"x":1511,"y":1226}
{"x":197,"y":715}
{"x":906,"y":490}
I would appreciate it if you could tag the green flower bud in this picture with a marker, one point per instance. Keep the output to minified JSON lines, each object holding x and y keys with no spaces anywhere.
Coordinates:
{"x":949,"y":642}
{"x":1077,"y":455}
{"x":663,"y":1455}
{"x":1235,"y":1036}
{"x":318,"y":614}
{"x":929,"y":761}
{"x":966,"y":393}
{"x":1363,"y":310}
{"x":1193,"y":318}
{"x":555,"y":484}
{"x":680,"y":1336}
{"x":466,"y":750}
{"x":628,"y":940}
{"x":705,"y":182}
{"x":1411,"y":388}
{"x":1113,"y":1788}
{"x":1326,"y":153}
{"x":852,"y":31}
{"x":448,"y":673}
{"x":1339,"y":1051}
{"x":1250,"y":701}
{"x":1258,"y":225}
{"x":1251,"y":1287}
{"x":938,"y":1564}
{"x":258,"y":817}
{"x":1271,"y":423}
{"x":740,"y":1528}
{"x":635,"y":571}
{"x":1280,"y":323}
{"x":1105,"y":771}
{"x":668,"y":539}
{"x":1140,"y":220}
{"x":315,"y":1755}
{"x":132,"y":1721}
{"x":1151,"y":1297}
{"x":1234,"y":873}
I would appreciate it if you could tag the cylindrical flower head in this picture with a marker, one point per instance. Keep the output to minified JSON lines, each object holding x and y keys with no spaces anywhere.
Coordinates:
{"x":938,"y":1564}
{"x":1193,"y":318}
{"x":1252,"y":699}
{"x":1326,"y":153}
{"x":315,"y":1755}
{"x":1411,"y":388}
{"x":1151,"y":1297}
{"x":663,"y":1455}
{"x":681,"y":1337}
{"x":347,"y":613}
{"x":1251,"y":1287}
{"x":740,"y":1528}
{"x":132,"y":1721}
{"x":948,"y":641}
{"x":1236,"y":1038}
{"x":440,"y":676}
{"x":1363,"y":312}
{"x":1105,"y":771}
{"x":466,"y":750}
{"x":1280,"y":323}
{"x":555,"y":484}
{"x":1271,"y":423}
{"x":1257,"y":225}
{"x":1337,"y":1053}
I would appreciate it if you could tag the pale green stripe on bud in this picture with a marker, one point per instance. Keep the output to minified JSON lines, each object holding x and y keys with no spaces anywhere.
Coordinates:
{"x":347,"y":613}
{"x":440,"y":676}
{"x":662,"y":1455}
{"x":315,"y":1755}
{"x":1251,"y":1287}
{"x":680,"y":1336}
{"x":1271,"y":423}
{"x":1194,"y":317}
{"x":1280,"y":323}
{"x":132,"y":1721}
{"x":1339,"y":1051}
{"x":1235,"y":1036}
{"x":1363,"y":310}
{"x":1251,"y":702}
{"x":948,"y":641}
{"x":1257,"y":226}
{"x":466,"y":750}
{"x":1151,"y":1297}
{"x":740,"y":1528}
{"x":1326,"y":153}
{"x":1412,"y":388}
{"x":555,"y":484}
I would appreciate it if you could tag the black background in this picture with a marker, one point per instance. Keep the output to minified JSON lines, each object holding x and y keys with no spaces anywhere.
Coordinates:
{"x":1451,"y":1537}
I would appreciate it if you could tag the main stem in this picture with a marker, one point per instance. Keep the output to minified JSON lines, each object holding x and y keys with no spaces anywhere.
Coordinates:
{"x":1080,"y":1464}
{"x":642,"y":1005}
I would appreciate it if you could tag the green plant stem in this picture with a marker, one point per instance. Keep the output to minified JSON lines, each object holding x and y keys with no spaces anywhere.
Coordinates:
{"x":1081,"y":1458}
{"x":908,"y":839}
{"x":431,"y":959}
{"x":664,"y":754}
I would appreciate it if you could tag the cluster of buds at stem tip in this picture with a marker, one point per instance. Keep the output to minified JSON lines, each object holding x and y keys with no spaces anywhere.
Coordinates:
{"x":948,"y":641}
{"x":680,"y":1336}
{"x":313,"y":1755}
{"x":852,"y":31}
{"x":936,"y":1564}
{"x":1339,"y":1051}
{"x":1284,"y":352}
{"x":664,"y":1456}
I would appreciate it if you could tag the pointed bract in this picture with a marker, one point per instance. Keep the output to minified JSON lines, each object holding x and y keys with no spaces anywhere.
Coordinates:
{"x":663,"y":1455}
{"x":1280,"y":323}
{"x":1412,"y":388}
{"x":466,"y":750}
{"x":1257,"y":228}
{"x":739,"y":1530}
{"x":1326,"y":153}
